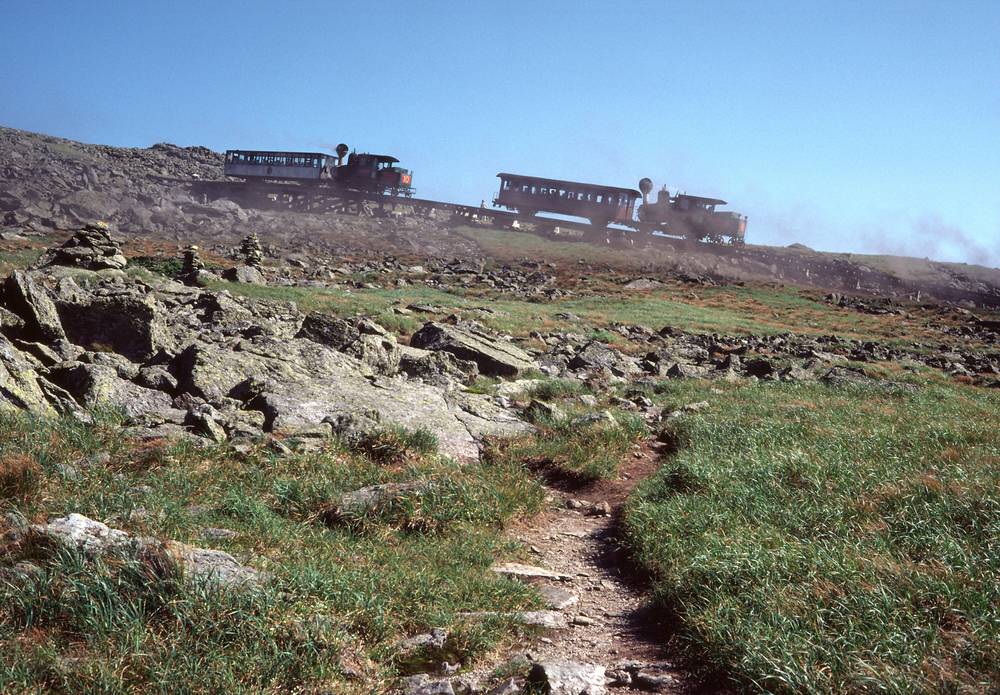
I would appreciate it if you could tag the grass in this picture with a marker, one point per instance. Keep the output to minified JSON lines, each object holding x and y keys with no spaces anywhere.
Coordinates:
{"x":14,"y":258}
{"x":341,"y":595}
{"x":831,"y":540}
{"x":583,"y":452}
{"x":723,"y":310}
{"x":394,"y":445}
{"x":552,"y":389}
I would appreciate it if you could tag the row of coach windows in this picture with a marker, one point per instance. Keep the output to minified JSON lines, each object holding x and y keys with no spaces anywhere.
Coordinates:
{"x":599,"y":198}
{"x":277,"y":160}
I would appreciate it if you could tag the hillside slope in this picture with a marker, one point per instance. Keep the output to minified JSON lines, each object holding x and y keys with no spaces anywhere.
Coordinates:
{"x":49,"y":183}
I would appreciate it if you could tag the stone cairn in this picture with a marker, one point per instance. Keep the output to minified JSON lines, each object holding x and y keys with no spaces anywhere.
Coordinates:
{"x":252,"y":252}
{"x":191,"y":261}
{"x":91,"y":247}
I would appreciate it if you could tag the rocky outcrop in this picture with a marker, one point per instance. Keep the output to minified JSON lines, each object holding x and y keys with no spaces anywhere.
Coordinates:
{"x":597,"y":355}
{"x":361,"y":337}
{"x":178,"y":359}
{"x":493,"y":356}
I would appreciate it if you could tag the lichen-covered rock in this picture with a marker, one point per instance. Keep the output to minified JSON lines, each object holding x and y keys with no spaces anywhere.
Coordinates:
{"x":20,"y":387}
{"x":95,"y":540}
{"x":597,"y":355}
{"x":246,"y":274}
{"x":26,"y":298}
{"x":493,"y":356}
{"x":99,"y":385}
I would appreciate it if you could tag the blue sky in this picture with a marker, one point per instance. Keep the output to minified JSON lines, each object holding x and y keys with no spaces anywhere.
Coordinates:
{"x":848,"y":126}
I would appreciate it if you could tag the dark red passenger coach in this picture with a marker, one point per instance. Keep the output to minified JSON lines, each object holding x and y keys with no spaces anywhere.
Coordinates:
{"x":602,"y":205}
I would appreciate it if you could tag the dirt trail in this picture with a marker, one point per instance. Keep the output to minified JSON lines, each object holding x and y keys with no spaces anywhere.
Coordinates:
{"x":611,"y":622}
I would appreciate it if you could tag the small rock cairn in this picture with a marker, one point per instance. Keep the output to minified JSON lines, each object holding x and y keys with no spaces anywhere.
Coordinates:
{"x":191,"y":262}
{"x":91,"y":247}
{"x":252,"y":252}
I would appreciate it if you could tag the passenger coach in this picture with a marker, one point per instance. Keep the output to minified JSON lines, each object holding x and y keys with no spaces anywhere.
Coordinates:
{"x":602,"y":205}
{"x":372,"y":173}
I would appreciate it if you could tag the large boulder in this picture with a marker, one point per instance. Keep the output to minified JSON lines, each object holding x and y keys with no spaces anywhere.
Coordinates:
{"x":299,"y":383}
{"x":29,"y":300}
{"x":20,"y":386}
{"x":374,"y":346}
{"x":493,"y":356}
{"x":94,"y":385}
{"x":126,"y":319}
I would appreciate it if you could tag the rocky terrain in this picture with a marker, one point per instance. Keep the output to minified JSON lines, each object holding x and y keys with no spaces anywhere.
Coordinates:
{"x":288,"y":408}
{"x":49,"y":183}
{"x":190,"y":358}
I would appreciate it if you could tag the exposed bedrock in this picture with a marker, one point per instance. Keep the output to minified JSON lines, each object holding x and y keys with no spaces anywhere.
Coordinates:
{"x":183,"y":360}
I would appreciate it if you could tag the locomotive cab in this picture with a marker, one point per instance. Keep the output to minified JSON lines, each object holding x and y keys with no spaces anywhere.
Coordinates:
{"x":375,"y":172}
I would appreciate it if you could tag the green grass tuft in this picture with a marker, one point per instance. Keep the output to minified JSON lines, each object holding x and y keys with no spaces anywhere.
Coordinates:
{"x":832,"y":540}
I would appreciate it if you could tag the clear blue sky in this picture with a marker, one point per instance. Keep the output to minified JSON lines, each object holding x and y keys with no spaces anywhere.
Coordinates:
{"x":853,"y":126}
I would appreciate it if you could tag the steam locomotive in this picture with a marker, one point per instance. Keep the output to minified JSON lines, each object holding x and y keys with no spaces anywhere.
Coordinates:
{"x":304,"y":178}
{"x":686,"y":216}
{"x":370,"y":174}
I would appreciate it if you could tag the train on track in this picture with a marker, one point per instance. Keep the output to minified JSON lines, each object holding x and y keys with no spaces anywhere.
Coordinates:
{"x":316,"y":182}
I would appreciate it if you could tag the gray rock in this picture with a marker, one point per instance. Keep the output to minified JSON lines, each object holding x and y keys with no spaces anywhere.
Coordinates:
{"x":493,"y":356}
{"x":435,"y":639}
{"x":439,"y":368}
{"x":90,"y":248}
{"x":127,"y":320}
{"x":20,"y":387}
{"x":25,"y":297}
{"x":369,"y":499}
{"x":540,"y":410}
{"x":422,"y":684}
{"x":597,"y":355}
{"x":246,"y":274}
{"x":93,"y":385}
{"x":603,"y":417}
{"x":156,"y":377}
{"x":517,"y":570}
{"x":568,"y":678}
{"x":202,"y":420}
{"x":557,"y":598}
{"x":642,"y":284}
{"x":510,"y":686}
{"x":362,"y":338}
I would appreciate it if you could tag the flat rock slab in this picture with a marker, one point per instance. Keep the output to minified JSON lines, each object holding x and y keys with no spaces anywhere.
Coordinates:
{"x":493,"y":356}
{"x":569,"y":678}
{"x":95,"y":539}
{"x":558,"y":598}
{"x":547,"y":620}
{"x":528,"y":572}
